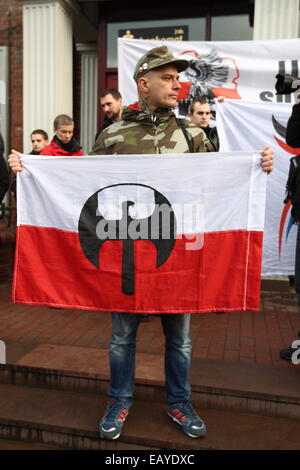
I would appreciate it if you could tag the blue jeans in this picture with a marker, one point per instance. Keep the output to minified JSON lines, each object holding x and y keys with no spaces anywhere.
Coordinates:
{"x":178,"y":350}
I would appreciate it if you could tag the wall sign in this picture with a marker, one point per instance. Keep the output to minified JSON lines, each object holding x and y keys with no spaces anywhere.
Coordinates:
{"x":163,"y":33}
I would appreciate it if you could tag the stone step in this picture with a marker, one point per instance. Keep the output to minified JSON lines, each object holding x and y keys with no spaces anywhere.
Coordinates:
{"x":70,"y":420}
{"x":250,"y":388}
{"x":276,"y":284}
{"x":8,"y":444}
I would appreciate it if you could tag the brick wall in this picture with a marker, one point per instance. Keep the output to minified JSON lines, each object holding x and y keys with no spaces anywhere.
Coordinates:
{"x":11,"y":36}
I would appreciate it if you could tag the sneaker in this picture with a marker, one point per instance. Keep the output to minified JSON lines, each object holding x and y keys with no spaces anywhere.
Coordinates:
{"x":113,"y":420}
{"x":185,"y":415}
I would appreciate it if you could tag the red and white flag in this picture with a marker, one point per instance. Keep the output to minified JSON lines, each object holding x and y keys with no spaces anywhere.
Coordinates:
{"x":141,"y":233}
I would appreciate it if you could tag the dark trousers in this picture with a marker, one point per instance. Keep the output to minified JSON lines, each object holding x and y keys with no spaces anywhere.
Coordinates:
{"x":297,"y":266}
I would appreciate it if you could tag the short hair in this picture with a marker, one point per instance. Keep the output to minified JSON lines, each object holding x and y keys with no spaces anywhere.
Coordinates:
{"x":113,"y":92}
{"x":200,"y":101}
{"x":41,"y":132}
{"x":62,"y":120}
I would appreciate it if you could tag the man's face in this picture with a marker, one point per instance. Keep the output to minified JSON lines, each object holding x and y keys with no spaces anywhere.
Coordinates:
{"x":65,"y":133}
{"x":201,"y":115}
{"x":38,"y":142}
{"x":110,"y":106}
{"x":162,"y":87}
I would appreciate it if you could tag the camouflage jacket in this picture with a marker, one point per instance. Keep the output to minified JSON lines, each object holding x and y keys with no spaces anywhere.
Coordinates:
{"x":149,"y":132}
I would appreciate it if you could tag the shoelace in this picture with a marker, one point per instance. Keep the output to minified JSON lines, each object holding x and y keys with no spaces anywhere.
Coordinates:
{"x":114,"y":411}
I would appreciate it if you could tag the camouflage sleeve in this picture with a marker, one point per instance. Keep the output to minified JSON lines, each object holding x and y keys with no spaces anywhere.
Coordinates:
{"x":201,"y":141}
{"x":99,"y":146}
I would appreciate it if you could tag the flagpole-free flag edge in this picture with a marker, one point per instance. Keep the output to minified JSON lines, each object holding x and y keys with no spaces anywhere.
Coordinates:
{"x":51,"y":267}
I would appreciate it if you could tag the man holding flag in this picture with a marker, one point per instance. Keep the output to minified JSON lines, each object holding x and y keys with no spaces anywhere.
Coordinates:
{"x":150,"y":127}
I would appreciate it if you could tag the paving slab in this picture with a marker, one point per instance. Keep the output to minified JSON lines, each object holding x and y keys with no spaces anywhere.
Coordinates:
{"x":89,"y":362}
{"x":251,"y":378}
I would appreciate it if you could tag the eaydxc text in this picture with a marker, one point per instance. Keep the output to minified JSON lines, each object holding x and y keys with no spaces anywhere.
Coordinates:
{"x":171,"y":459}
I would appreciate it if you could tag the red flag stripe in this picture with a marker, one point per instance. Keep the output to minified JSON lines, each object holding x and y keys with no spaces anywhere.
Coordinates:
{"x":223,"y":275}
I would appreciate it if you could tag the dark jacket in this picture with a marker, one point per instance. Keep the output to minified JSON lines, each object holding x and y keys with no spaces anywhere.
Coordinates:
{"x":293,"y":128}
{"x":3,"y":171}
{"x":293,"y":183}
{"x":293,"y":188}
{"x":212,"y":134}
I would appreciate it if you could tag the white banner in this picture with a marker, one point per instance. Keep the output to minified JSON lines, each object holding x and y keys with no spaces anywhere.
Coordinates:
{"x":248,"y":125}
{"x":235,"y":69}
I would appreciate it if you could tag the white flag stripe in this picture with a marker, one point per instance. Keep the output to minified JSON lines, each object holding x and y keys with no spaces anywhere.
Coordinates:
{"x":215,"y":185}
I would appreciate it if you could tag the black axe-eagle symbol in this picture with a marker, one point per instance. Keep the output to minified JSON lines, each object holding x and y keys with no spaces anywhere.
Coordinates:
{"x":161,"y":223}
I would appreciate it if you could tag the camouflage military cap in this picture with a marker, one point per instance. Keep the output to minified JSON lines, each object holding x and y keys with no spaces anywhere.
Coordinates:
{"x":155,"y":58}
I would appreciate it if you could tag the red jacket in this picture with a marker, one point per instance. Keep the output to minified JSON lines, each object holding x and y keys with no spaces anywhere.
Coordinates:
{"x":54,"y":149}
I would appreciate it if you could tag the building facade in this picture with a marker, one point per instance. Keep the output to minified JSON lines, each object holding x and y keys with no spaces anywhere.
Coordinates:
{"x":58,"y":55}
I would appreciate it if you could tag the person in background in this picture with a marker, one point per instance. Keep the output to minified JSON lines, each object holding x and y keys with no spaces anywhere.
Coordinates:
{"x":293,"y":194}
{"x":39,"y":140}
{"x":200,"y":114}
{"x":63,"y":143}
{"x":111,"y":105}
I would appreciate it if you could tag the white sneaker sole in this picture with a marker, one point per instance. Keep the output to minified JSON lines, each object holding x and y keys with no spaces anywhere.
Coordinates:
{"x":103,"y":436}
{"x":188,"y":434}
